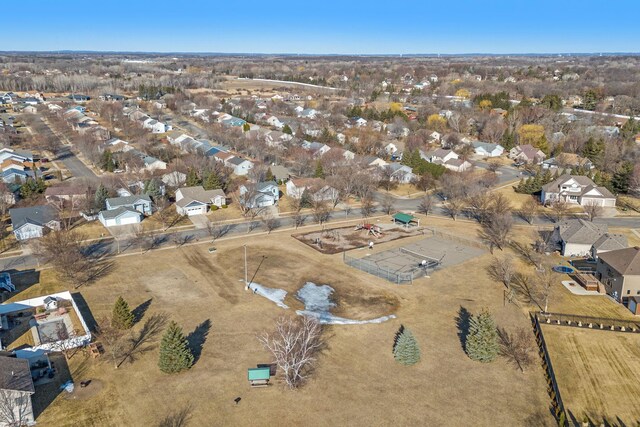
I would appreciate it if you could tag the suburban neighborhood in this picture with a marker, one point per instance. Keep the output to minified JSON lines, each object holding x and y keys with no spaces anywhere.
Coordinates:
{"x":323,"y":237}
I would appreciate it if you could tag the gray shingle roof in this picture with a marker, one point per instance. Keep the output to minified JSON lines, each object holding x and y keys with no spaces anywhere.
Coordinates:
{"x":15,"y":375}
{"x":127,"y":200}
{"x":610,"y":242}
{"x":39,"y":215}
{"x":580,"y":231}
{"x":114,"y":213}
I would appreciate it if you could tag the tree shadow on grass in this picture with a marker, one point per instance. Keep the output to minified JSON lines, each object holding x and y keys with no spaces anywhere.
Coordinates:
{"x":176,"y":418}
{"x":139,"y":311}
{"x":197,"y":338}
{"x":463,"y":322}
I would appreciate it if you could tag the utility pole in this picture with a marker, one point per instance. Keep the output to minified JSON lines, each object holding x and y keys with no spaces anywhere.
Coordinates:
{"x":246,"y":281}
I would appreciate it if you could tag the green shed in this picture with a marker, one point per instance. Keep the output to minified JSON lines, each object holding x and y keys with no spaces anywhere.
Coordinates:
{"x":258,"y":376}
{"x":405,"y":219}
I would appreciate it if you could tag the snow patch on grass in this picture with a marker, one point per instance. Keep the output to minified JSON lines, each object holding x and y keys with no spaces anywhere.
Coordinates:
{"x":272,"y":294}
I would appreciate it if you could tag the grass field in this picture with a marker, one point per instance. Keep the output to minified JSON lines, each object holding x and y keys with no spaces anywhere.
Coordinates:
{"x":598,"y":373}
{"x":356,"y":382}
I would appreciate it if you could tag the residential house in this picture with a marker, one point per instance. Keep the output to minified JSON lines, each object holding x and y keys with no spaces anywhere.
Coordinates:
{"x":487,"y":149}
{"x":197,"y":200}
{"x":576,"y":237}
{"x":79,"y":98}
{"x":372,"y":161}
{"x":401,"y":173}
{"x":619,"y":271}
{"x":447,"y":158}
{"x":608,"y":242}
{"x":576,"y":189}
{"x":457,"y":165}
{"x":73,"y":195}
{"x":260,"y":195}
{"x":526,"y":154}
{"x":435,"y":136}
{"x":308,"y":113}
{"x":280,"y":173}
{"x":317,"y":189}
{"x":240,"y":166}
{"x":567,"y":161}
{"x":16,"y":383}
{"x":275,"y":122}
{"x":117,"y":145}
{"x":317,"y":148}
{"x":141,"y":203}
{"x":34,"y":221}
{"x":121,"y":215}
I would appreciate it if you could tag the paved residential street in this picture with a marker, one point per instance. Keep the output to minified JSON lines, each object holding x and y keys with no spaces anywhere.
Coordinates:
{"x":67,"y":156}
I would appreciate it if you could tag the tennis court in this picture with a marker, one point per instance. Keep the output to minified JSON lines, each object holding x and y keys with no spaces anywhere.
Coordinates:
{"x":416,"y":259}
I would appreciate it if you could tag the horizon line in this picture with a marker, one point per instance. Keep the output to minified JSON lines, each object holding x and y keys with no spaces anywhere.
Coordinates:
{"x":142,"y":52}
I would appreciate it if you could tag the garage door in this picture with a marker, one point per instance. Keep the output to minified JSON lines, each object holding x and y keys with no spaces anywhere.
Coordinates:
{"x":195,"y":211}
{"x":128,"y":220}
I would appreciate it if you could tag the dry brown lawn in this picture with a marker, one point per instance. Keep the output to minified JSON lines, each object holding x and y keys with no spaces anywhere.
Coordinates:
{"x":516,"y":199}
{"x":356,"y":382}
{"x":598,"y":373}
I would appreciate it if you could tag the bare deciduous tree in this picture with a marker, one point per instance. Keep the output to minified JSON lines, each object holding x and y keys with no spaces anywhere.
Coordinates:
{"x":559,"y":209}
{"x":217,"y":228}
{"x":517,"y":347}
{"x":269,"y":221}
{"x":528,"y":210}
{"x":320,"y":211}
{"x":593,"y":210}
{"x":366,"y":206}
{"x":387,"y":203}
{"x":112,"y":339}
{"x":502,"y":269}
{"x":15,"y":407}
{"x":426,"y":205}
{"x":294,"y":345}
{"x":453,"y":207}
{"x":496,"y":229}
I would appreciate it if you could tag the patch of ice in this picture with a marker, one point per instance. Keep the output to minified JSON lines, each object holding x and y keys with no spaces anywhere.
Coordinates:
{"x":273,"y":294}
{"x":317,"y":303}
{"x":327,"y":318}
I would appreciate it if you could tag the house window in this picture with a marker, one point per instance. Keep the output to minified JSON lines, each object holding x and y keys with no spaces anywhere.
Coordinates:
{"x":638,"y":292}
{"x":628,"y":291}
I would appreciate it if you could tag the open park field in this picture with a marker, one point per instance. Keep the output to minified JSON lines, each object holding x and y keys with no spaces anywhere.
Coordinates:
{"x":357,"y":381}
{"x":598,"y":373}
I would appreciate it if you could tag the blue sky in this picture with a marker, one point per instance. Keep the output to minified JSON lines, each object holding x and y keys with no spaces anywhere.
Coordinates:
{"x":359,"y":27}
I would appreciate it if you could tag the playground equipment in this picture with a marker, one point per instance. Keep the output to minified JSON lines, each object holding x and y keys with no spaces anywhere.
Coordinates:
{"x":372,"y":229}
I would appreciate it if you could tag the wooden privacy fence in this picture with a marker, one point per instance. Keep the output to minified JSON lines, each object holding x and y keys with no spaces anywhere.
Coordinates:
{"x":554,"y":391}
{"x":577,"y":321}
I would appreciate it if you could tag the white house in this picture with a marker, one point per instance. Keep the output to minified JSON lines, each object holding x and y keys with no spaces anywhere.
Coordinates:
{"x":119,"y":216}
{"x":240,"y":166}
{"x":196,"y":200}
{"x":400,"y":173}
{"x":486,"y":149}
{"x":576,"y":189}
{"x":439,"y":156}
{"x":33,"y":222}
{"x":260,"y":195}
{"x":275,"y":122}
{"x":316,"y":188}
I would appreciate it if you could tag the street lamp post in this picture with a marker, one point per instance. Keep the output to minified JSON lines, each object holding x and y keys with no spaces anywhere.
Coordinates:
{"x":246,"y":281}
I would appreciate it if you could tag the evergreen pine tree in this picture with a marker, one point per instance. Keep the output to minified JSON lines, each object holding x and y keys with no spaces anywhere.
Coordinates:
{"x":269,"y":175}
{"x":319,"y":173}
{"x":175,"y":354}
{"x":212,"y":182}
{"x":482,"y":341}
{"x":122,"y":317}
{"x":100,"y":198}
{"x":106,"y":162}
{"x":152,"y":188}
{"x":192,"y":178}
{"x":287,"y":129}
{"x":406,"y":350}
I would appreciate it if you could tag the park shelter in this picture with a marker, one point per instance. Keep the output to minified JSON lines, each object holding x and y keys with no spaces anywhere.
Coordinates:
{"x":405,"y":219}
{"x":259,"y":376}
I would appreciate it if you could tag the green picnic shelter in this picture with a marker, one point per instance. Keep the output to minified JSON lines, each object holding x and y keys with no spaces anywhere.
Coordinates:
{"x":259,"y":377}
{"x":405,"y":219}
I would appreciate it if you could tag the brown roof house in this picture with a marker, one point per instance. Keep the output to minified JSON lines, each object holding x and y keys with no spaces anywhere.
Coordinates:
{"x":619,"y":271}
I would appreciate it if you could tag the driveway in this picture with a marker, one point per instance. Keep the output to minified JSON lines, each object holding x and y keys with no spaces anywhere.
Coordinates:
{"x":200,"y":221}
